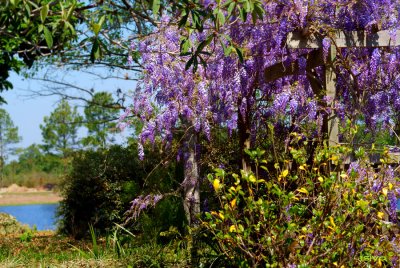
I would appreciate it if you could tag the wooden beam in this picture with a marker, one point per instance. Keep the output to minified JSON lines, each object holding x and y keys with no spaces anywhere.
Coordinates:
{"x":345,"y":39}
{"x":314,"y":59}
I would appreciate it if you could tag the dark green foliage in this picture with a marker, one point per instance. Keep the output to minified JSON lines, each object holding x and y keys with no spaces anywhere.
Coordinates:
{"x":32,"y":158}
{"x":101,"y":114}
{"x":101,"y":185}
{"x":158,"y":222}
{"x":32,"y":29}
{"x":60,"y":129}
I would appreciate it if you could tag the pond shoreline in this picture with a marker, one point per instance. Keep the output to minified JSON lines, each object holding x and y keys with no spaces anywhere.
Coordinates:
{"x":29,"y":198}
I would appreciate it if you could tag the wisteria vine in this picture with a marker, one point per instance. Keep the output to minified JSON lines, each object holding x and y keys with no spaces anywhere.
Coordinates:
{"x":238,"y":94}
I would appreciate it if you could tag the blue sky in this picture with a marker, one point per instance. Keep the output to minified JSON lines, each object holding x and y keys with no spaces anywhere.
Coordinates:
{"x":27,"y":112}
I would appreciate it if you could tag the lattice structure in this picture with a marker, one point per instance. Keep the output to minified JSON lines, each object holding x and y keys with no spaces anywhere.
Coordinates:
{"x":315,"y":58}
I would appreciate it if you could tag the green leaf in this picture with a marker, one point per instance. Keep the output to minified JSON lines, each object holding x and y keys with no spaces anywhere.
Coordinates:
{"x":259,"y":10}
{"x":69,"y":25}
{"x":221,"y":18}
{"x":242,"y":14}
{"x":248,"y":6}
{"x":156,"y":7}
{"x":183,"y":21}
{"x":13,"y":2}
{"x":28,"y":9}
{"x":239,"y":52}
{"x":185,"y":45}
{"x":48,"y":36}
{"x":95,"y":53}
{"x":43,"y":13}
{"x":205,"y":43}
{"x":231,"y":8}
{"x":190,"y":62}
{"x":70,"y":11}
{"x":227,"y":49}
{"x":97,"y":26}
{"x":196,"y":20}
{"x":63,"y":14}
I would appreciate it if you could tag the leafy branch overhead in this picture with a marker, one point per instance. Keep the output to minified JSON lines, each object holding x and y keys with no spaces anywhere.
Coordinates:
{"x":195,"y":16}
{"x":32,"y":29}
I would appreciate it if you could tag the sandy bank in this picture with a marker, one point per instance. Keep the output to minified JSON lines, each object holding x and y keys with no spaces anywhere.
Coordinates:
{"x":16,"y":195}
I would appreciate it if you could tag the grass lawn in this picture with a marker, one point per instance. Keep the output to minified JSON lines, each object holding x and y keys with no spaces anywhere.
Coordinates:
{"x":47,"y":249}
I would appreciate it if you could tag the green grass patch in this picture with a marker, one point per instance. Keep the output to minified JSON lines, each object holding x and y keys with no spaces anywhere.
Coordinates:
{"x":47,"y":249}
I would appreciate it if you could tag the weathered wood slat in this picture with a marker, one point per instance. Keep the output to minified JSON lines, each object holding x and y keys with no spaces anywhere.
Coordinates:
{"x":345,"y":39}
{"x":314,"y":59}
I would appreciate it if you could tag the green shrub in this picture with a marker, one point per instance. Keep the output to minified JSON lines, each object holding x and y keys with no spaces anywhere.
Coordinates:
{"x":101,"y":185}
{"x":299,"y":215}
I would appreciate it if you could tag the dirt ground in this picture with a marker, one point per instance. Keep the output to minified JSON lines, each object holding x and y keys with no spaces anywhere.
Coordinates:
{"x":15,"y":195}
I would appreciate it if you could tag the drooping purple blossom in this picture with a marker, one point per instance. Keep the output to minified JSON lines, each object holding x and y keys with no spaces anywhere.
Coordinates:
{"x":141,"y":203}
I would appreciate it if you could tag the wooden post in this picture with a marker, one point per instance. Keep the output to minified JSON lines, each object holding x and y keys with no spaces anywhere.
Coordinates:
{"x":330,"y":83}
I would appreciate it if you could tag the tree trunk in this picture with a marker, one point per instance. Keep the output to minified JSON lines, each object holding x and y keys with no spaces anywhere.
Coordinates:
{"x":191,"y":185}
{"x":191,"y":191}
{"x":244,"y":137}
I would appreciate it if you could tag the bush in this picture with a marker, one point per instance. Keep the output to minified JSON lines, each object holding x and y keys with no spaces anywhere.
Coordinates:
{"x":10,"y":225}
{"x":101,"y":185}
{"x":299,"y":215}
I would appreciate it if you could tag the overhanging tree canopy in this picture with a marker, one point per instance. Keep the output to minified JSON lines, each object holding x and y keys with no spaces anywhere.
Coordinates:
{"x":32,"y":29}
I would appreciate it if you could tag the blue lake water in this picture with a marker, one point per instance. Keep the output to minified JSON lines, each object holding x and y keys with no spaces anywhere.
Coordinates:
{"x":41,"y":215}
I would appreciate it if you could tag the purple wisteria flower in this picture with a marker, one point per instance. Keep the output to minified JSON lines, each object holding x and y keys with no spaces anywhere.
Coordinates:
{"x":141,"y":203}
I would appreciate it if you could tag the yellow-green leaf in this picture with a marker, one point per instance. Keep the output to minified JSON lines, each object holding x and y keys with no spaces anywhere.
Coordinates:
{"x":48,"y":37}
{"x":303,"y":190}
{"x":252,"y":178}
{"x":43,"y":13}
{"x":97,"y":26}
{"x":156,"y":7}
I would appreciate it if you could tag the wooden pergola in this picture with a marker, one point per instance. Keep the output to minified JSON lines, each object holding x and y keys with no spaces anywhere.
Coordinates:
{"x":315,"y":58}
